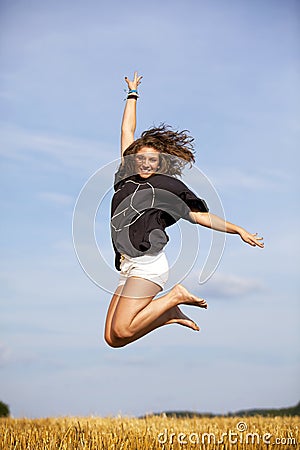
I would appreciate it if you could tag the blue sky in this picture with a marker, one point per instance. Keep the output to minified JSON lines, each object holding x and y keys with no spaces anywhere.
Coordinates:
{"x":229,"y":72}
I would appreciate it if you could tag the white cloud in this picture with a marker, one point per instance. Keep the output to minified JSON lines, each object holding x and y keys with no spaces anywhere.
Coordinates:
{"x":16,"y":355}
{"x":5,"y":355}
{"x":29,"y":145}
{"x":57,"y":198}
{"x":225,"y":285}
{"x":266,"y":179}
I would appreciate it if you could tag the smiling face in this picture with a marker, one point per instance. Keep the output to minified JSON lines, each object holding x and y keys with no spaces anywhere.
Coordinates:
{"x":146,"y":161}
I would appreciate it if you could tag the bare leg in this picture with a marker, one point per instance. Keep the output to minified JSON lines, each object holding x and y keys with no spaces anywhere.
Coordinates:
{"x":133,"y":312}
{"x":110,"y":314}
{"x":174,"y":315}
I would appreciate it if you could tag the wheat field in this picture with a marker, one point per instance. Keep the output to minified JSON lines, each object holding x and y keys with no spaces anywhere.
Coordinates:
{"x":152,"y":432}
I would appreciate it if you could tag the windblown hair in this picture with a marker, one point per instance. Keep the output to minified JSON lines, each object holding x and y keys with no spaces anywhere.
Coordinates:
{"x":175,"y":147}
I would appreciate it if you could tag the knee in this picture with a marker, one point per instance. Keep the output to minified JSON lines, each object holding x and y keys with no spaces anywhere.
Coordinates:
{"x":121,"y":332}
{"x":114,"y":343}
{"x":118,"y":337}
{"x":111,"y":340}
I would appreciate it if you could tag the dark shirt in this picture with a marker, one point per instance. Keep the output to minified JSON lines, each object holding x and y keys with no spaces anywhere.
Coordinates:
{"x":142,"y":209}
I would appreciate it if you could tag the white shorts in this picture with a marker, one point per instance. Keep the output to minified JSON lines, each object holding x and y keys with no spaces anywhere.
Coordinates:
{"x":154,"y":268}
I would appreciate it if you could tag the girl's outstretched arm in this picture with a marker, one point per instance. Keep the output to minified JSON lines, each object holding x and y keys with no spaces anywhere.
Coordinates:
{"x":217,"y":223}
{"x":129,"y":115}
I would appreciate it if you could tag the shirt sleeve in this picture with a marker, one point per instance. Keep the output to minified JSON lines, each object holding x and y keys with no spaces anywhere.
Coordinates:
{"x":188,"y":201}
{"x":195,"y":203}
{"x":119,"y":176}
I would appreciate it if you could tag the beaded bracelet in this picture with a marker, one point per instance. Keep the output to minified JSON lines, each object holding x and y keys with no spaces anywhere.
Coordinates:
{"x":132,"y":93}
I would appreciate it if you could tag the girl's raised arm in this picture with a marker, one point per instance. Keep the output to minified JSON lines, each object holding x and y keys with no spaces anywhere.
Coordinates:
{"x":129,"y":115}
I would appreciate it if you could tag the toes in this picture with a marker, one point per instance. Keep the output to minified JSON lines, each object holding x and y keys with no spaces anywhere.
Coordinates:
{"x":191,"y":324}
{"x":196,"y":328}
{"x":202,"y":303}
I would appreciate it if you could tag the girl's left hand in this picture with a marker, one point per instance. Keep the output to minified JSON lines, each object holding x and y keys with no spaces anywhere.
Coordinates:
{"x":252,"y":239}
{"x":135,"y":82}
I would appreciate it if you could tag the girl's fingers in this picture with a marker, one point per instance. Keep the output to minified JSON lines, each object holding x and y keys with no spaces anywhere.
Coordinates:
{"x":260,"y":244}
{"x":135,"y":82}
{"x":254,"y":240}
{"x":256,"y":237}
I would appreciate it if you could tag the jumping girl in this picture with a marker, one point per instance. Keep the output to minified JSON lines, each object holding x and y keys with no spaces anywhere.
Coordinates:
{"x":148,"y":198}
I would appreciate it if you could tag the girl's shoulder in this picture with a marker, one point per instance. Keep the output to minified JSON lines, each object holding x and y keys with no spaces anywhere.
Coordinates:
{"x":168,"y":181}
{"x":119,"y":177}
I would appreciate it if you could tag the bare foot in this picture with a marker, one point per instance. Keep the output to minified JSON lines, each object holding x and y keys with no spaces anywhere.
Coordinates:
{"x":182,"y":319}
{"x":184,"y":297}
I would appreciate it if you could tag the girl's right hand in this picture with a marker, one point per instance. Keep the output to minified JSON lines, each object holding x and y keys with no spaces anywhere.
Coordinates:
{"x":251,"y":239}
{"x":135,"y":82}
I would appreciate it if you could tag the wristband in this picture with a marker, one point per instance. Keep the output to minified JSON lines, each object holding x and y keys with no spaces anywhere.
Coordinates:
{"x":135,"y":97}
{"x":131,"y":91}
